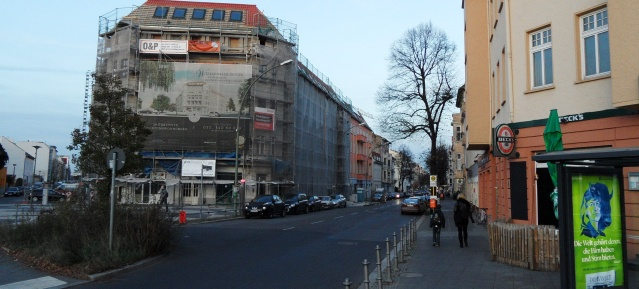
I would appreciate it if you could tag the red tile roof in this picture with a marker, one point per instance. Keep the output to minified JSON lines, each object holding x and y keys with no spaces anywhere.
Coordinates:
{"x":251,"y":10}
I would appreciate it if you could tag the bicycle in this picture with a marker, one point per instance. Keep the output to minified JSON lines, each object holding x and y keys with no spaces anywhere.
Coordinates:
{"x":480,"y":216}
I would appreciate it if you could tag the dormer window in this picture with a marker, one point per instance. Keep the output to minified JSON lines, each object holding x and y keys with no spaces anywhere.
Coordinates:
{"x":161,"y":12}
{"x":198,"y":14}
{"x":236,"y":16}
{"x":218,"y":15}
{"x":179,"y":13}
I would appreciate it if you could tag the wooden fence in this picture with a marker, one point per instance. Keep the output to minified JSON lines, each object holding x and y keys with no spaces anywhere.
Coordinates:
{"x":526,"y":246}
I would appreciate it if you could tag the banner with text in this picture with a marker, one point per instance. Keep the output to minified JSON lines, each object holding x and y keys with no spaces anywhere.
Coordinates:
{"x":597,"y":229}
{"x":264,"y":119}
{"x":157,"y":46}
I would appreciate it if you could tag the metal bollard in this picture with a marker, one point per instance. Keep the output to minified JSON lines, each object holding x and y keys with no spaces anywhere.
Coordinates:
{"x":347,"y":284}
{"x":379,"y":266}
{"x":389,"y":265}
{"x":395,"y":248}
{"x":366,"y":282}
{"x":401,"y":242}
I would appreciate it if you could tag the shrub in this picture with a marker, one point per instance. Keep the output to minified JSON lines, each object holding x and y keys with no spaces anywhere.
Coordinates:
{"x":75,"y":235}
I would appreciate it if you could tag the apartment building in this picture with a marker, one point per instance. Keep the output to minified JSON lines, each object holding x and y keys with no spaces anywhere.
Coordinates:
{"x":524,"y":60}
{"x":228,"y":97}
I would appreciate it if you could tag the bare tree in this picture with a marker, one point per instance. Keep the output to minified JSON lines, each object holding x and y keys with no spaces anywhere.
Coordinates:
{"x":405,"y":166}
{"x":420,"y":86}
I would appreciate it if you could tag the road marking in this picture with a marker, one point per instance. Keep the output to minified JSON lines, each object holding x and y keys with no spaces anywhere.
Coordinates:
{"x":291,"y":228}
{"x":353,"y":214}
{"x":339,"y":217}
{"x":37,"y":283}
{"x":317,"y":222}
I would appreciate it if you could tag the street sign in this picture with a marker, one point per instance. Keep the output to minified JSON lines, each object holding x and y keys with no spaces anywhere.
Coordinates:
{"x":120,"y":157}
{"x":433,"y":180}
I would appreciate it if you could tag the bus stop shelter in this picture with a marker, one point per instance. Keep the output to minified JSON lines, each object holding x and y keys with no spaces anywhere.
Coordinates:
{"x":592,"y":215}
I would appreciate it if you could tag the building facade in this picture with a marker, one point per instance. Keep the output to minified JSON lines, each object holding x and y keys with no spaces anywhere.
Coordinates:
{"x":576,"y":58}
{"x":198,"y":73}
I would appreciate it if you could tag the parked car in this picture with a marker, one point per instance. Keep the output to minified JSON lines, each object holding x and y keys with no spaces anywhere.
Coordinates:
{"x":12,"y":191}
{"x":314,"y":203}
{"x":297,"y":203}
{"x":327,"y":202}
{"x":379,"y":197}
{"x":339,"y":201}
{"x":265,"y":206}
{"x":37,"y":194}
{"x":413,"y":205}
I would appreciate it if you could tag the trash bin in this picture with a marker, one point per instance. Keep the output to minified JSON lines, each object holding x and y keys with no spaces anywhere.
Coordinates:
{"x":182,"y":217}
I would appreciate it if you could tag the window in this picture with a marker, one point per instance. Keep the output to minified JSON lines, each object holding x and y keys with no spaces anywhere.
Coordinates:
{"x":217,"y":15}
{"x":161,"y":12}
{"x":541,"y":58}
{"x":198,"y":14}
{"x":179,"y":13}
{"x":236,"y":16}
{"x":595,"y":50}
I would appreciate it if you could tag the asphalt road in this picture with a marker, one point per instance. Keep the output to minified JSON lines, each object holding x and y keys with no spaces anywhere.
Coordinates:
{"x":316,"y":250}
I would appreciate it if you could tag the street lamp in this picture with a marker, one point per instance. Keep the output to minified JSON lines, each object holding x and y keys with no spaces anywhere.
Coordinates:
{"x":35,"y":162}
{"x":237,"y":125}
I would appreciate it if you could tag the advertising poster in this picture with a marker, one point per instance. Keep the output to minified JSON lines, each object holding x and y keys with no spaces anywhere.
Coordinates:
{"x":175,"y":88}
{"x":264,"y":119}
{"x":196,"y":168}
{"x":597,"y":229}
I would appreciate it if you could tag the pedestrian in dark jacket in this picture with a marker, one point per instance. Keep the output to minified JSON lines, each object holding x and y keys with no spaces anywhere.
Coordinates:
{"x":461,"y":214}
{"x":437,"y":222}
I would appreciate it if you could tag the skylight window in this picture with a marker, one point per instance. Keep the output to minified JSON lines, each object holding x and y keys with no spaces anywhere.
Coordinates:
{"x":218,"y":15}
{"x":179,"y":13}
{"x":161,"y":12}
{"x":236,"y":16}
{"x":198,"y":14}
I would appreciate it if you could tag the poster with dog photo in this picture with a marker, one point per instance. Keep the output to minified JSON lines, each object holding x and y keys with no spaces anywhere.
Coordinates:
{"x":597,"y":225}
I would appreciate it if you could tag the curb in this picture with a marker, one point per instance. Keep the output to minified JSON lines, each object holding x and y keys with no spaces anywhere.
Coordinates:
{"x":97,"y":276}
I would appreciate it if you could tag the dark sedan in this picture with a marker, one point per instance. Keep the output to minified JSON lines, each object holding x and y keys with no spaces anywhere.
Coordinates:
{"x":13,"y":191}
{"x":37,"y":195}
{"x":265,"y":206}
{"x":297,"y":204}
{"x":314,"y":203}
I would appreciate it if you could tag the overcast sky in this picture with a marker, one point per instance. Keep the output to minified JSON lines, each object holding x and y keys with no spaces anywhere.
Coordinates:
{"x":48,"y":46}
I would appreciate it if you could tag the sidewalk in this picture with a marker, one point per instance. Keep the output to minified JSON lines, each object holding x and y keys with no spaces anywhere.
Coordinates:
{"x":450,"y":266}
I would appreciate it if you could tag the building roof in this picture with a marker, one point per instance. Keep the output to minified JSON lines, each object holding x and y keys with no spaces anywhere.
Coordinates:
{"x":144,"y":15}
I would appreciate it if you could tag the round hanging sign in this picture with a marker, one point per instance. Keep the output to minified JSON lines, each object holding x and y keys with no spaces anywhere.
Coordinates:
{"x":504,"y":139}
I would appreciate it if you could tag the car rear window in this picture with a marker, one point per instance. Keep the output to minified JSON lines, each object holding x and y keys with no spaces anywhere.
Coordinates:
{"x":410,"y":201}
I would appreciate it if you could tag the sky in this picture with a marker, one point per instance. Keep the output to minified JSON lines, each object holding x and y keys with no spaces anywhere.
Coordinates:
{"x":48,"y":46}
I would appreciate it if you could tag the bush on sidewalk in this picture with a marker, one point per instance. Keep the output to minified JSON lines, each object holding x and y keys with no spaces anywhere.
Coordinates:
{"x":73,"y":238}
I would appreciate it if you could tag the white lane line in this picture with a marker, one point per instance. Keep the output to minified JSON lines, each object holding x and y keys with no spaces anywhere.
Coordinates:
{"x":353,"y":214}
{"x":317,"y":222}
{"x":291,"y":228}
{"x":37,"y":283}
{"x":339,"y":217}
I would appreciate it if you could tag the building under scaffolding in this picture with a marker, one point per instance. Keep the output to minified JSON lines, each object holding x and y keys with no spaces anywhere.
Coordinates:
{"x":188,"y":65}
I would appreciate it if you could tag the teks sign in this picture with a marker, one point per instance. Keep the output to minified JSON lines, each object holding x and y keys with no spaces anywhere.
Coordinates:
{"x":157,"y":46}
{"x":504,"y":142}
